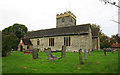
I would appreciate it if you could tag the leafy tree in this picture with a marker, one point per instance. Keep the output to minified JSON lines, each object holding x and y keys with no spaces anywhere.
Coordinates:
{"x":104,"y":41}
{"x":95,"y":26}
{"x":13,"y":40}
{"x":114,"y":39}
{"x":9,"y":42}
{"x":18,"y":29}
{"x":11,"y":36}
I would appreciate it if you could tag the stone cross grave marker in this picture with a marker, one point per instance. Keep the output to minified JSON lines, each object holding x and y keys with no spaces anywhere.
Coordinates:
{"x":80,"y":56}
{"x":104,"y":52}
{"x":63,"y":51}
{"x":35,"y":53}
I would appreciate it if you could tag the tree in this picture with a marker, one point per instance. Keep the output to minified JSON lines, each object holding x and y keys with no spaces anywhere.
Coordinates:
{"x":114,"y":39}
{"x":9,"y":42}
{"x":104,"y":41}
{"x":18,"y":29}
{"x":95,"y":26}
{"x":13,"y":41}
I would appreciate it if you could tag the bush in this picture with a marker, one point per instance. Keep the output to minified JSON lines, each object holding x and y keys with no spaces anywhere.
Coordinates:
{"x":9,"y":42}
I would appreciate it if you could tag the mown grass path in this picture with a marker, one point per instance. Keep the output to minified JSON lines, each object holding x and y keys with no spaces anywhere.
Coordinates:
{"x":17,"y":62}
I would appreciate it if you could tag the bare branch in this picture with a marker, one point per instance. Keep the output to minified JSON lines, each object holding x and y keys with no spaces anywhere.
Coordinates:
{"x":110,"y":2}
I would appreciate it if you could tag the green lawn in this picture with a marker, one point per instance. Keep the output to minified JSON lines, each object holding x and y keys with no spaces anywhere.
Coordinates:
{"x":17,"y":62}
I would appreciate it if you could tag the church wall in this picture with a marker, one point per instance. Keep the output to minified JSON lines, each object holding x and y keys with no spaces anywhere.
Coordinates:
{"x":19,"y":47}
{"x":90,"y":39}
{"x":30,"y":47}
{"x":85,"y":42}
{"x":96,"y":43}
{"x":25,"y":47}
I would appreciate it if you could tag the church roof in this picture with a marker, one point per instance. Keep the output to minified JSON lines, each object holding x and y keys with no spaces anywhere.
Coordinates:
{"x":26,"y":41}
{"x":71,"y":30}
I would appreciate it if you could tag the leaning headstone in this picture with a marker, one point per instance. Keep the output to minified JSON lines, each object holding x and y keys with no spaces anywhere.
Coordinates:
{"x":49,"y":54}
{"x":85,"y":54}
{"x":80,"y":56}
{"x":89,"y":52}
{"x":63,"y":51}
{"x":35,"y":53}
{"x":104,"y":52}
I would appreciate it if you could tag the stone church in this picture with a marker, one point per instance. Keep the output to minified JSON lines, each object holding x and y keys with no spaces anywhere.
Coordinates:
{"x":66,"y":33}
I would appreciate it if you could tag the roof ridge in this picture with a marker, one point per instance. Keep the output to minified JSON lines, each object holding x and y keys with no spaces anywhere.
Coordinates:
{"x":62,"y":27}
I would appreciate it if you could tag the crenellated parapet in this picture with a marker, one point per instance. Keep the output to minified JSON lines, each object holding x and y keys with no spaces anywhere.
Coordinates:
{"x":66,"y":14}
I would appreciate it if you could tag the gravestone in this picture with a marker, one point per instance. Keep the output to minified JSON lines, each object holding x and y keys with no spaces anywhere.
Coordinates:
{"x":63,"y":51}
{"x":49,"y":54}
{"x":119,"y":50}
{"x":35,"y":53}
{"x":104,"y":52}
{"x":89,"y":52}
{"x":112,"y":51}
{"x":85,"y":54}
{"x":80,"y":56}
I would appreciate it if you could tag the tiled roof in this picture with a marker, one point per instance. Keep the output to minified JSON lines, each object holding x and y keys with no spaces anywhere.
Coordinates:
{"x":116,"y":45}
{"x":71,"y":30}
{"x":26,"y":41}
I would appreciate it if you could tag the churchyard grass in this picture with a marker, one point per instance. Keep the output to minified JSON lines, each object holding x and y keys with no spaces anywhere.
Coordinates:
{"x":17,"y":62}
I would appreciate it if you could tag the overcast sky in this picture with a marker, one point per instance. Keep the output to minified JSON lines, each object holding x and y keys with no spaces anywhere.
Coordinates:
{"x":41,"y":14}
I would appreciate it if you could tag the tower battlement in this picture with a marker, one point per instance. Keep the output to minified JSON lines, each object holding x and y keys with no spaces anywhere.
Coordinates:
{"x":65,"y":19}
{"x":66,"y":14}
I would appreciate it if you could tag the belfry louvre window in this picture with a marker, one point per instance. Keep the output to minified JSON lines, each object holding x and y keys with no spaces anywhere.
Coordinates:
{"x":51,"y":41}
{"x":67,"y":41}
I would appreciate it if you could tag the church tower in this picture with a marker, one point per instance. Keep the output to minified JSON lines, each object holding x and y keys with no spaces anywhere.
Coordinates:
{"x":65,"y":19}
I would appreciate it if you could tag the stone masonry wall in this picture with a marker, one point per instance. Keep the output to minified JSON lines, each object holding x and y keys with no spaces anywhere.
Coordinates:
{"x":66,"y":23}
{"x":85,"y":42}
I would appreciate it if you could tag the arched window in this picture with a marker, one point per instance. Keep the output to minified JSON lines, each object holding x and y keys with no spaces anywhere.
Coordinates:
{"x":51,"y":41}
{"x":27,"y":47}
{"x":67,"y":41}
{"x":38,"y":42}
{"x":63,"y":20}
